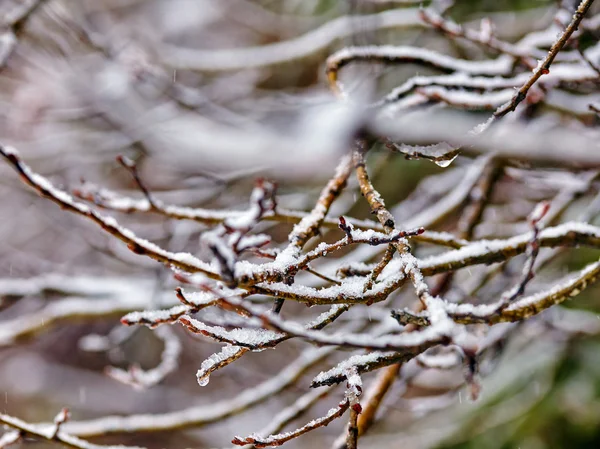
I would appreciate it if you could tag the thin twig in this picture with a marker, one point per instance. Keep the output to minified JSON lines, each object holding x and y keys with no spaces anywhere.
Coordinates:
{"x":543,"y":67}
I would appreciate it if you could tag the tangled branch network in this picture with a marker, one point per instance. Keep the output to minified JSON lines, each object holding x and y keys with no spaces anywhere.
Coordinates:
{"x":423,"y":287}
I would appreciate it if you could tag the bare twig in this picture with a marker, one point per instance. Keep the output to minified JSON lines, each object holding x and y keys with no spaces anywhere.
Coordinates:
{"x":543,"y":67}
{"x":52,"y":432}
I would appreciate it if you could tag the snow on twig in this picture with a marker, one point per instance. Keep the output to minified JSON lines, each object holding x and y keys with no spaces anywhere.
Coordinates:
{"x":169,"y":362}
{"x":52,"y":432}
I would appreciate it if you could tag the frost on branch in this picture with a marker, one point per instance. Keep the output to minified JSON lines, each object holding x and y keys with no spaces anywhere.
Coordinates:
{"x":351,"y":398}
{"x":412,"y":295}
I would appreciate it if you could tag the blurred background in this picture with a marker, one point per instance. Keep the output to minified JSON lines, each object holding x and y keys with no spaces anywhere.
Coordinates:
{"x":207,"y":96}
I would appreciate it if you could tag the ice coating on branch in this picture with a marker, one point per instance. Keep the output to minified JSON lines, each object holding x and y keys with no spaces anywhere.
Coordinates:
{"x":90,"y":286}
{"x":527,"y":306}
{"x":444,"y":360}
{"x":407,"y":341}
{"x":571,"y":286}
{"x":470,"y":100}
{"x":457,"y":79}
{"x":116,"y":201}
{"x":240,"y":336}
{"x":107,"y":198}
{"x":51,"y":432}
{"x":252,"y":241}
{"x":226,"y":356}
{"x":319,"y":212}
{"x":565,"y":228}
{"x":55,"y":311}
{"x":10,"y":151}
{"x":411,"y":269}
{"x":208,"y":365}
{"x":351,"y":288}
{"x":316,"y":214}
{"x":225,"y":254}
{"x":538,"y":66}
{"x":471,"y":309}
{"x":201,"y":299}
{"x":441,"y":154}
{"x":355,"y":362}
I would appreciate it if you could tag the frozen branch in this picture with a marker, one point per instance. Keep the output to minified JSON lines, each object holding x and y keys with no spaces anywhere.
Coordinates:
{"x":543,"y":67}
{"x":169,"y":362}
{"x":519,"y":310}
{"x":303,"y":46}
{"x":50,"y":432}
{"x":183,"y":261}
{"x":293,"y":412}
{"x":245,"y":263}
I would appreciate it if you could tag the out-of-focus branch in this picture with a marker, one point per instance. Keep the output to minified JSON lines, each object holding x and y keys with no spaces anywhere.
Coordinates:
{"x":13,"y":23}
{"x":293,"y":412}
{"x":200,"y":415}
{"x":543,"y":66}
{"x":505,"y":140}
{"x":300,"y":47}
{"x":52,"y":433}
